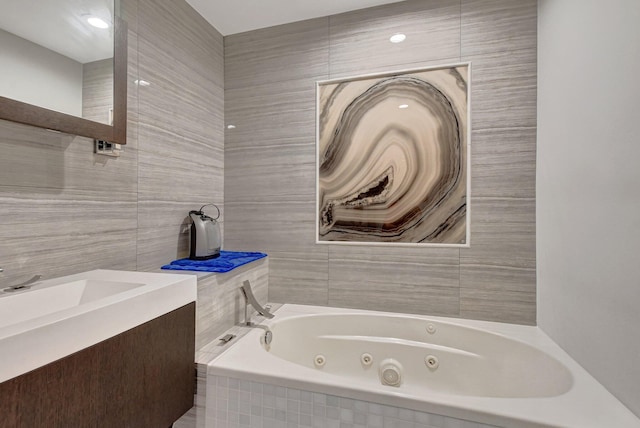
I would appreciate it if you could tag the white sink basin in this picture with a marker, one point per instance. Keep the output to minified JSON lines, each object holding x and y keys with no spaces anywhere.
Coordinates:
{"x":57,"y":317}
{"x":46,"y":299}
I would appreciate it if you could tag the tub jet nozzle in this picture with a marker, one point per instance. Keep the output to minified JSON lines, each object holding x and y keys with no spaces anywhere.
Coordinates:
{"x":390,"y":372}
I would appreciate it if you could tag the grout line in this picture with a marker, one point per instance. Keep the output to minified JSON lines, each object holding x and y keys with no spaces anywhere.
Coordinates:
{"x":460,"y":45}
{"x":137,"y":136}
{"x":329,"y":47}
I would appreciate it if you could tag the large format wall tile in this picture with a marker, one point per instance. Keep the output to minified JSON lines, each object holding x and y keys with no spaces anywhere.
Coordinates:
{"x":55,"y":255}
{"x":395,"y":297}
{"x":498,"y":305}
{"x":394,"y":279}
{"x":280,"y":171}
{"x":32,"y":157}
{"x":168,"y":172}
{"x":299,"y":276}
{"x":176,"y":99}
{"x":503,"y":233}
{"x":55,"y":233}
{"x":428,"y":266}
{"x":97,"y":90}
{"x":185,"y":36}
{"x":63,"y":208}
{"x":87,"y":211}
{"x":277,"y":113}
{"x":489,"y":26}
{"x":160,"y":246}
{"x":360,"y":40}
{"x":38,"y":158}
{"x":503,"y":162}
{"x":180,"y":127}
{"x":278,"y":54}
{"x":270,"y":83}
{"x":254,"y":226}
{"x":270,"y":157}
{"x":132,"y":76}
{"x":270,"y":80}
{"x":498,"y":272}
{"x":503,"y":89}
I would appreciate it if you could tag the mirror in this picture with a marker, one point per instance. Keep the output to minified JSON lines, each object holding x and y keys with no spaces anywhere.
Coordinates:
{"x":64,"y":66}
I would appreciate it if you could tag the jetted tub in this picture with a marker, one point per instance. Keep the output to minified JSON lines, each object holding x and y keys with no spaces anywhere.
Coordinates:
{"x":489,"y":373}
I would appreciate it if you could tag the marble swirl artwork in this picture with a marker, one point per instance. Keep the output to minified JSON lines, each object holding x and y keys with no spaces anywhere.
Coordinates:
{"x":392,"y":158}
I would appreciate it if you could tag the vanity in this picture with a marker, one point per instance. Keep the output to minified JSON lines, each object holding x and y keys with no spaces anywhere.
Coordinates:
{"x":98,"y":349}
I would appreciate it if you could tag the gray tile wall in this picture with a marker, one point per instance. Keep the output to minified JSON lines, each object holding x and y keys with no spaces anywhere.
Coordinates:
{"x":64,"y":210}
{"x":221,"y":304}
{"x":270,"y":77}
{"x":97,"y":90}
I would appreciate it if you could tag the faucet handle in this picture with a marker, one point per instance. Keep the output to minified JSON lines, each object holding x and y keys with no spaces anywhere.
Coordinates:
{"x":250,"y":299}
{"x":1,"y":270}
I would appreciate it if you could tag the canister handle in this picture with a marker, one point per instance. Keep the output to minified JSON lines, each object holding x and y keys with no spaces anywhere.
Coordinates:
{"x":206,"y":205}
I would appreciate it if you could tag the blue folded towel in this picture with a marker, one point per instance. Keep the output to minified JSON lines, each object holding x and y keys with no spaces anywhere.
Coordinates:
{"x":227,"y":261}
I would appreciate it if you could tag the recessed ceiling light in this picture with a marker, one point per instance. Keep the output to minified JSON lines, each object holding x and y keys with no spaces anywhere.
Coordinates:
{"x":397,"y":38}
{"x":403,"y":106}
{"x":141,"y":82}
{"x":231,"y":127}
{"x":97,"y":22}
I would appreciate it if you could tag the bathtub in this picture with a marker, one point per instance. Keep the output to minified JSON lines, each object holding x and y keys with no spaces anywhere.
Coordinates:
{"x":374,"y":369}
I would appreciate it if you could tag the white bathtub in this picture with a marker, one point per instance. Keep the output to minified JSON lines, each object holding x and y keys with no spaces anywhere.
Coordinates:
{"x":490,"y":373}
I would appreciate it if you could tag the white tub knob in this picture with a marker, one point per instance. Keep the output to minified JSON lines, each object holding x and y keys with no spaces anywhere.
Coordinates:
{"x":319,"y":360}
{"x":390,"y":372}
{"x":366,"y":359}
{"x":431,"y":328}
{"x":432,"y":362}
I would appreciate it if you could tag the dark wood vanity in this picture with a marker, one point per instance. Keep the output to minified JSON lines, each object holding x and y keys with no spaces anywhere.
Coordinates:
{"x":142,"y":378}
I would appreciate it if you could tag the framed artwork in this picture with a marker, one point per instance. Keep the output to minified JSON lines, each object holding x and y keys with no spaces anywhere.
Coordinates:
{"x":392,"y":163}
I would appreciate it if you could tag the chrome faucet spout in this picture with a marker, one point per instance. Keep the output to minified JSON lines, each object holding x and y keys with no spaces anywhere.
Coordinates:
{"x":23,"y":285}
{"x":250,"y":299}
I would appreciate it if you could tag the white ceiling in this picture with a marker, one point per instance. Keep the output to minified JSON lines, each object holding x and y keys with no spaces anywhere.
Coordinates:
{"x":237,"y":16}
{"x":61,"y":26}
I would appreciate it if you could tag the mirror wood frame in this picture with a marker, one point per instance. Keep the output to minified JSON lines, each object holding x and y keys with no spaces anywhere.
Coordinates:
{"x":18,"y":111}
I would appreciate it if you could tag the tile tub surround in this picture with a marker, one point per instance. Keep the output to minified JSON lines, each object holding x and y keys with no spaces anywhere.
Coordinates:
{"x":270,"y":77}
{"x":220,"y":311}
{"x":88,"y":212}
{"x":235,"y":403}
{"x":196,"y":416}
{"x":220,"y":303}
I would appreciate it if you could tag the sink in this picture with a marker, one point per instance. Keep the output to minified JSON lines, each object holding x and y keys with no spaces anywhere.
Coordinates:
{"x":42,"y":299}
{"x":57,"y":317}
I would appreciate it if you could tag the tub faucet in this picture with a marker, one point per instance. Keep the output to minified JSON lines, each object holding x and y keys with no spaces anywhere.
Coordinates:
{"x":250,"y":299}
